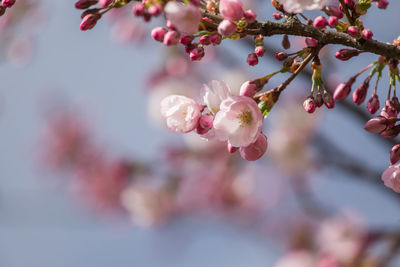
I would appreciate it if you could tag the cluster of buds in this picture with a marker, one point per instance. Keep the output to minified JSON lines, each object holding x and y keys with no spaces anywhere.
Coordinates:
{"x":4,"y":5}
{"x":147,"y":9}
{"x":259,"y":51}
{"x":322,"y":96}
{"x":94,"y":9}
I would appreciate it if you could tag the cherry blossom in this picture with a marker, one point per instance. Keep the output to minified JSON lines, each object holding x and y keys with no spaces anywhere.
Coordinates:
{"x":239,"y":121}
{"x":214,"y":93}
{"x":391,"y":177}
{"x":182,"y":113}
{"x":297,"y":6}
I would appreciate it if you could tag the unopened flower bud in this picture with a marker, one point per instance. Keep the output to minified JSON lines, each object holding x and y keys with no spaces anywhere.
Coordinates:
{"x":328,"y":100}
{"x":255,"y":150}
{"x":382,"y":4}
{"x":377,"y":124}
{"x":367,"y":34}
{"x":333,"y":21}
{"x":319,"y":22}
{"x":346,"y":54}
{"x":333,"y":11}
{"x":281,"y":56}
{"x":250,"y":16}
{"x":392,"y":132}
{"x":197,"y":53}
{"x":171,"y":38}
{"x":89,"y":21}
{"x":395,"y":154}
{"x":81,"y":4}
{"x":319,"y":100}
{"x":309,"y":104}
{"x":349,"y":3}
{"x":252,"y":59}
{"x":155,"y":10}
{"x":248,"y":89}
{"x":205,"y":124}
{"x":226,"y":28}
{"x":352,"y":31}
{"x":215,"y":39}
{"x":360,"y":93}
{"x":186,"y":39}
{"x":277,"y":15}
{"x":373,"y":104}
{"x":260,"y":50}
{"x":205,"y":40}
{"x":341,"y":91}
{"x":158,"y":34}
{"x":139,"y":9}
{"x":311,"y":42}
{"x":285,"y":42}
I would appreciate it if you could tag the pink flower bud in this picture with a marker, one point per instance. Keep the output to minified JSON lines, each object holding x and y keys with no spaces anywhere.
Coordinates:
{"x":189,"y":48}
{"x":215,"y":39}
{"x":360,"y":93}
{"x":319,"y":100}
{"x":158,"y":34}
{"x":197,"y":53}
{"x":155,"y":10}
{"x":311,"y":42}
{"x":395,"y":154}
{"x":250,"y":16}
{"x":231,"y":9}
{"x":205,"y":40}
{"x":231,"y":149}
{"x":186,"y":39}
{"x":205,"y":124}
{"x":346,"y":54}
{"x":277,"y":15}
{"x":171,"y":38}
{"x":349,"y":3}
{"x":81,"y":4}
{"x":341,"y":91}
{"x":260,"y":50}
{"x":392,"y":132}
{"x":373,"y":104}
{"x":333,"y":21}
{"x":255,"y":150}
{"x":105,"y":3}
{"x":309,"y":104}
{"x":367,"y":34}
{"x":333,"y":11}
{"x":281,"y":56}
{"x":226,"y":28}
{"x":248,"y":89}
{"x":352,"y":31}
{"x":89,"y":21}
{"x":139,"y":9}
{"x":328,"y":100}
{"x":319,"y":22}
{"x":382,"y":4}
{"x":391,"y":177}
{"x":170,"y":25}
{"x":377,"y":124}
{"x":252,"y":59}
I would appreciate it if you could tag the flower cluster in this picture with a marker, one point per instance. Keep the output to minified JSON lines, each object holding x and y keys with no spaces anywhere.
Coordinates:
{"x":221,"y":115}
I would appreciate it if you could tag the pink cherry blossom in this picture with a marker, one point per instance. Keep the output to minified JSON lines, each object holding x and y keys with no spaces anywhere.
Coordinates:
{"x":214,"y":93}
{"x":239,"y":121}
{"x":185,"y":18}
{"x":391,"y":177}
{"x":297,"y":6}
{"x":231,"y":9}
{"x":182,"y":113}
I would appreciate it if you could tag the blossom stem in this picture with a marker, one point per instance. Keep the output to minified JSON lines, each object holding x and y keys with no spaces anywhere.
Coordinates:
{"x":346,"y":12}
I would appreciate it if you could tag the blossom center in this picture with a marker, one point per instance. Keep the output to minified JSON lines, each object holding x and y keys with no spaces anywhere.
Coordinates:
{"x":245,"y":118}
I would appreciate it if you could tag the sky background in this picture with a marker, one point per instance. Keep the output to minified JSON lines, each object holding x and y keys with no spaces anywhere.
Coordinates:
{"x":41,"y":225}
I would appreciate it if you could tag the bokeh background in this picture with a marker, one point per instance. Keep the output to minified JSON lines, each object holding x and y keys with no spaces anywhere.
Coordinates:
{"x":43,"y":224}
